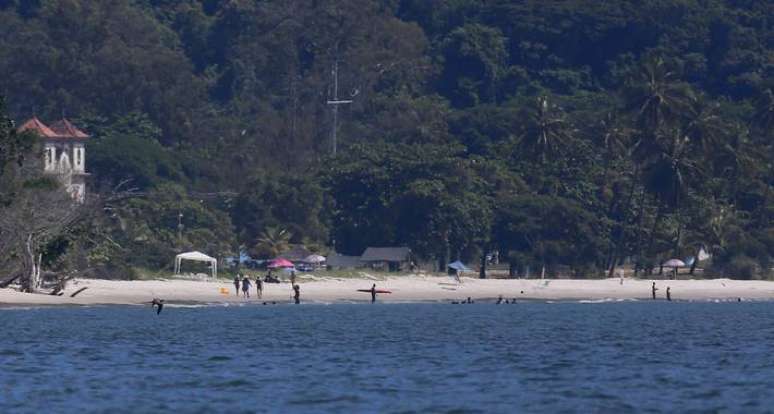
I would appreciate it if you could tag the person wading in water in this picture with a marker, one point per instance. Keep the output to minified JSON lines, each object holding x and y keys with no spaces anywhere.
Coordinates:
{"x":297,"y":294}
{"x":157,"y":303}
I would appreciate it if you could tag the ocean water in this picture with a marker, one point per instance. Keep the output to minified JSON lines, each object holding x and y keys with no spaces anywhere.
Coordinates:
{"x":528,"y":357}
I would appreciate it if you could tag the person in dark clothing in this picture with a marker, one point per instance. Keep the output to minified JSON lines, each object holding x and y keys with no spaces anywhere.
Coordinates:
{"x":669,"y":293}
{"x":258,"y":287}
{"x":246,"y":287}
{"x":373,"y":293}
{"x":236,"y":284}
{"x":653,"y":290}
{"x":500,"y":300}
{"x":159,"y":303}
{"x":297,"y":294}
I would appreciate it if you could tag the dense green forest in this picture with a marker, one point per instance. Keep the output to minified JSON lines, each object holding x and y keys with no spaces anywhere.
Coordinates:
{"x":570,"y":134}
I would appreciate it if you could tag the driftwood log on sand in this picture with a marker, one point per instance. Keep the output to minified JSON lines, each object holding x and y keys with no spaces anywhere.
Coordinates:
{"x":78,"y":291}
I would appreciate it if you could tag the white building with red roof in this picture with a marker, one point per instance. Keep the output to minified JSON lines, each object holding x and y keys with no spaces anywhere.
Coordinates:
{"x":64,"y":153}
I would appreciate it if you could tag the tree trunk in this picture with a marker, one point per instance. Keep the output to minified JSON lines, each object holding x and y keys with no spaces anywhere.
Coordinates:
{"x":31,"y":264}
{"x":638,"y":249}
{"x":656,"y":222}
{"x":616,"y":243}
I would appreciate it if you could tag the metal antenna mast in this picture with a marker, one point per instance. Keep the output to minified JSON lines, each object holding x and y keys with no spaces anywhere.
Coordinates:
{"x":335,"y":102}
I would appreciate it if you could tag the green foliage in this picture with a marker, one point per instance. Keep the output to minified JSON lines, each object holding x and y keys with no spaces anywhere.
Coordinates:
{"x":644,"y":127}
{"x":150,"y":230}
{"x":129,"y":149}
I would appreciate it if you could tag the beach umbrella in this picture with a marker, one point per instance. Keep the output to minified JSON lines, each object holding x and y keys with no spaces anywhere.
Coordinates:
{"x":280,"y":262}
{"x":314,"y":258}
{"x":674,"y":263}
{"x":459,"y":266}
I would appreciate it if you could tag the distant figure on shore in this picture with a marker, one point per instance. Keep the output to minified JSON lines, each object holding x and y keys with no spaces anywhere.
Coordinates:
{"x":246,"y":287}
{"x":159,"y":303}
{"x":469,"y":300}
{"x":236,"y":283}
{"x":258,"y":287}
{"x":293,"y":277}
{"x":373,"y":293}
{"x":500,"y":300}
{"x":297,"y":294}
{"x":653,"y":290}
{"x":669,"y":293}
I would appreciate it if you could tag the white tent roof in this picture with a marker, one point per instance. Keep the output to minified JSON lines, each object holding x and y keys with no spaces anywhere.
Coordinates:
{"x":197,"y":257}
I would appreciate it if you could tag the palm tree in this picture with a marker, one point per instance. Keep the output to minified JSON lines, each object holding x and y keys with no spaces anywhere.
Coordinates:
{"x":272,"y":241}
{"x":546,"y":129}
{"x":656,"y":96}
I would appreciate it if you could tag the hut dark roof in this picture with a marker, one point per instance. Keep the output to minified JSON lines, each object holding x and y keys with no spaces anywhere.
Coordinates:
{"x":343,"y":261}
{"x":385,"y":254}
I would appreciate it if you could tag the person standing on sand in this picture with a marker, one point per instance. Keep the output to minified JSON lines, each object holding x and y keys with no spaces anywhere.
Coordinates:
{"x":373,"y":293}
{"x":246,"y":287}
{"x":258,"y":287}
{"x":653,"y":290}
{"x":292,"y":277}
{"x":297,"y":294}
{"x":669,"y":294}
{"x":236,"y":283}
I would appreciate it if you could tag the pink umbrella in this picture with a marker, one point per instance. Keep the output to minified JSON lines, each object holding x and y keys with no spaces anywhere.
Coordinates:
{"x":280,"y":262}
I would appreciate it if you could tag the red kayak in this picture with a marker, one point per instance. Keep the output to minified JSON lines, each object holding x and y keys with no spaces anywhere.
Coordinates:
{"x":377,"y":291}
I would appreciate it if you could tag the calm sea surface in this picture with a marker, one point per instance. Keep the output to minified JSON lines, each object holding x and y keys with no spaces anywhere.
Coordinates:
{"x":529,"y":357}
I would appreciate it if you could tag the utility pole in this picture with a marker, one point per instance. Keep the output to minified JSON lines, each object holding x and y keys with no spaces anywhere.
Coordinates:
{"x":179,"y":226}
{"x":335,"y":102}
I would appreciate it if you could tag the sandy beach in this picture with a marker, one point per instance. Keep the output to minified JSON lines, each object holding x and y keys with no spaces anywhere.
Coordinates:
{"x":411,"y":288}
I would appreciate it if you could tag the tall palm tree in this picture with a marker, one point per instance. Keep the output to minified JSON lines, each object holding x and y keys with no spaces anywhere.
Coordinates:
{"x":657,"y":96}
{"x":272,"y":241}
{"x":546,"y":129}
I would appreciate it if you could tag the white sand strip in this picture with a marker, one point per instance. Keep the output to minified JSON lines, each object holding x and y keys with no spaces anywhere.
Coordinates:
{"x":404,"y":289}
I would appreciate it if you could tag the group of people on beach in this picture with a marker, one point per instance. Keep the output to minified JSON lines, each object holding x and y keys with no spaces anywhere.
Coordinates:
{"x":242,"y":283}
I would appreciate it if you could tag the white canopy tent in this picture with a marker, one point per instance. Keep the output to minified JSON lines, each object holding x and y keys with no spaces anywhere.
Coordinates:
{"x":196,"y":257}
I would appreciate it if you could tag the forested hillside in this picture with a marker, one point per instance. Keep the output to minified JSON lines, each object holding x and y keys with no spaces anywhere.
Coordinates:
{"x":572,"y":133}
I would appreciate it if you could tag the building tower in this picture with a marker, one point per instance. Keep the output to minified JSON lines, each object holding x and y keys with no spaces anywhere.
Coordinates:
{"x":64,"y":150}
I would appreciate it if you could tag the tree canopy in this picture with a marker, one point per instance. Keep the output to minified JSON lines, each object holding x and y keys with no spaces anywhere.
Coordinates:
{"x":563,"y":133}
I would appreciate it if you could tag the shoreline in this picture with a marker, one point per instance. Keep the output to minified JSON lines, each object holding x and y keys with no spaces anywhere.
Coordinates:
{"x":405,"y":289}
